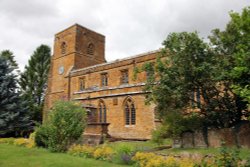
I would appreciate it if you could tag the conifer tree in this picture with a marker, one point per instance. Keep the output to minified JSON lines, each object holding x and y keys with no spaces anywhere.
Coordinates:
{"x":33,"y":81}
{"x":13,"y":115}
{"x":10,"y":58}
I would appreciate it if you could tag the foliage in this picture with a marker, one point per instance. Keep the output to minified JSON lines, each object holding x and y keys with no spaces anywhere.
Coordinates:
{"x":159,"y":134}
{"x":67,"y":120}
{"x":228,"y":157}
{"x":104,"y":153}
{"x":124,"y":153}
{"x":42,"y":136}
{"x":29,"y":143}
{"x":234,"y":47}
{"x":7,"y":140}
{"x":9,"y":56}
{"x":193,"y":76}
{"x":81,"y":151}
{"x":153,"y":160}
{"x":14,"y":118}
{"x":33,"y":81}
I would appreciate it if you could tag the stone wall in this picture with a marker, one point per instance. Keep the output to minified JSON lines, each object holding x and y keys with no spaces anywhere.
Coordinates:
{"x":235,"y":136}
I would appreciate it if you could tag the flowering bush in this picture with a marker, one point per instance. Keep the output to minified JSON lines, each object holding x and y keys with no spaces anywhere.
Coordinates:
{"x":7,"y":140}
{"x":82,"y":151}
{"x":21,"y":142}
{"x":153,"y":160}
{"x":104,"y":153}
{"x":29,"y":143}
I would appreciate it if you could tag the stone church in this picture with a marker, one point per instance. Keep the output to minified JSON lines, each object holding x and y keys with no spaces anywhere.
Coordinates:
{"x":113,"y":98}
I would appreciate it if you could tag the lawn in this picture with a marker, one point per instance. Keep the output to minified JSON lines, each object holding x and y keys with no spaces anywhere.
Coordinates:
{"x":14,"y":156}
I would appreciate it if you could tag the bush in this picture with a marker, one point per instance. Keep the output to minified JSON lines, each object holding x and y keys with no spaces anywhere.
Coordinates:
{"x":153,"y":160}
{"x":104,"y":153}
{"x":228,"y":157}
{"x":7,"y":140}
{"x":81,"y":151}
{"x":42,"y":136}
{"x":124,"y":154}
{"x":160,"y":134}
{"x":29,"y":143}
{"x":66,"y":123}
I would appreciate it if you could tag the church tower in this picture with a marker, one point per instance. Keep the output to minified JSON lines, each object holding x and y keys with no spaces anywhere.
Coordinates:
{"x":74,"y":48}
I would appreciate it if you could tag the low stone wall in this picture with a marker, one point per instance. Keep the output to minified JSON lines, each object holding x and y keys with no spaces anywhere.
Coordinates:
{"x":235,"y":136}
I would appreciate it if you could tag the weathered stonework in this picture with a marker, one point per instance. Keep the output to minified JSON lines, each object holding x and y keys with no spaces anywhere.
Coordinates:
{"x":78,"y":54}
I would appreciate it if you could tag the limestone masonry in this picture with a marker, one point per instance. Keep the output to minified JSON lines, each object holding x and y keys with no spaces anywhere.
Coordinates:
{"x":106,"y":90}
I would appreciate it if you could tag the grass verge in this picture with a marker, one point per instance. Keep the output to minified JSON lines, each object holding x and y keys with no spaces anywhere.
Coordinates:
{"x":14,"y":156}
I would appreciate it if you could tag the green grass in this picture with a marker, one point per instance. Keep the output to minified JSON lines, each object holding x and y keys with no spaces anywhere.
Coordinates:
{"x":14,"y":156}
{"x":138,"y":145}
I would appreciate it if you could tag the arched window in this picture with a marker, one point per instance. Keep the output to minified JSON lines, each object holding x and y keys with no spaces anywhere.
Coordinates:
{"x":130,"y":112}
{"x":102,"y":112}
{"x":91,"y":49}
{"x":63,"y":47}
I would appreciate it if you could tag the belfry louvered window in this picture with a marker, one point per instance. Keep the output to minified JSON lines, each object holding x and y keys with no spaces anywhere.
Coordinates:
{"x":63,"y":47}
{"x":91,"y":49}
{"x":130,"y":112}
{"x":102,"y":112}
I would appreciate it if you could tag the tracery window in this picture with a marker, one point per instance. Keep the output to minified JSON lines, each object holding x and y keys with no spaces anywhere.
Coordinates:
{"x":102,"y":112}
{"x":130,"y":112}
{"x":91,"y":49}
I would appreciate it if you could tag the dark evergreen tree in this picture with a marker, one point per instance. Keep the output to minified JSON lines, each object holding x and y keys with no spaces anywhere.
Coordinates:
{"x":10,"y":58}
{"x":33,"y":81}
{"x":14,"y":118}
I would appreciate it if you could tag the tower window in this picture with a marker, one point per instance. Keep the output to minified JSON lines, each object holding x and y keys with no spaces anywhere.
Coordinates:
{"x":91,"y":49}
{"x":124,"y":76}
{"x":63,"y":47}
{"x":102,"y":112}
{"x":130,"y":112}
{"x":104,"y":79}
{"x":82,"y":83}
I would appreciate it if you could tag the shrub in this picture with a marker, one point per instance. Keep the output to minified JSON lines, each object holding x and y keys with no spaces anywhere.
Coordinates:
{"x":81,"y":151}
{"x":153,"y":160}
{"x":104,"y":153}
{"x":66,"y":123}
{"x":21,"y":142}
{"x":7,"y":140}
{"x":29,"y":143}
{"x":124,"y":154}
{"x":228,"y":157}
{"x":42,"y":136}
{"x":160,"y":134}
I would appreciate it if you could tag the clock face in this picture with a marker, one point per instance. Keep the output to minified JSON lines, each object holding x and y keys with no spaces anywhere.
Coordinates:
{"x":61,"y":70}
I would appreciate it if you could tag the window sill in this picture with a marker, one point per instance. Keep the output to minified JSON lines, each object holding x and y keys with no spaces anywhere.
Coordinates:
{"x":129,"y":126}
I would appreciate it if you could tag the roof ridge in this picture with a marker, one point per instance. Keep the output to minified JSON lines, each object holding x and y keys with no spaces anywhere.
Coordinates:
{"x":117,"y":60}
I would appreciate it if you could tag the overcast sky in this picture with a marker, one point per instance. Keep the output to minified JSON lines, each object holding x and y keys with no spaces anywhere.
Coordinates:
{"x":130,"y":26}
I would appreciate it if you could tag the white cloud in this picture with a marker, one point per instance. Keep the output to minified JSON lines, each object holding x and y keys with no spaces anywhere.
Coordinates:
{"x":130,"y":27}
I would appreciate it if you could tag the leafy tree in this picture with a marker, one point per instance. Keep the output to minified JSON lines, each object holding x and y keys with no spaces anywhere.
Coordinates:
{"x":33,"y":80}
{"x":66,"y":123}
{"x":189,"y":80}
{"x":13,"y":115}
{"x":233,"y":44}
